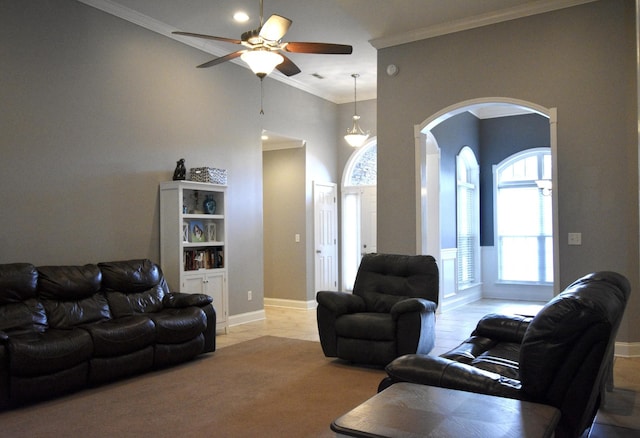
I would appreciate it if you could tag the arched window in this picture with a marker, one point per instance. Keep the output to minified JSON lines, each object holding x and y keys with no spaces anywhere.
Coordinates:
{"x":524,"y":217}
{"x":468,"y":217}
{"x":362,"y":170}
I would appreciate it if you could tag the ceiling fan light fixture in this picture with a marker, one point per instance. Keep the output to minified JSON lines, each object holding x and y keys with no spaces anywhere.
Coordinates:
{"x":262,"y":62}
{"x":355,"y":136}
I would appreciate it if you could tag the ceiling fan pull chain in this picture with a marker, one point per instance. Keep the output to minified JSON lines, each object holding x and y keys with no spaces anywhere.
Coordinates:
{"x":261,"y":96}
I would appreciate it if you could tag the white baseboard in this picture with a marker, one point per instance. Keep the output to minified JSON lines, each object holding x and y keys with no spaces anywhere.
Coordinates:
{"x":245,"y":318}
{"x":627,"y":349}
{"x":460,"y":299}
{"x":291,"y":304}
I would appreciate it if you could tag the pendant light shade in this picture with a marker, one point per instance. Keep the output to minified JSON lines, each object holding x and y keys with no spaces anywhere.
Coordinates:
{"x":356,"y":136}
{"x":262,"y":62}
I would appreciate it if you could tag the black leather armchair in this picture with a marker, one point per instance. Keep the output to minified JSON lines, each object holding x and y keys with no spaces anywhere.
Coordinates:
{"x":390,"y":313}
{"x":561,"y":357}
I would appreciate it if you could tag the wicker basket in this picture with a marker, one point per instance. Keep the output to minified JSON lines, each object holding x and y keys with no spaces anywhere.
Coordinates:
{"x":208,"y":175}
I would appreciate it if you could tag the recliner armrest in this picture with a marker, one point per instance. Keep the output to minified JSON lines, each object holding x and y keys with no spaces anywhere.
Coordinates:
{"x":412,"y":305}
{"x":340,"y":303}
{"x":445,"y":373}
{"x":178,"y":300}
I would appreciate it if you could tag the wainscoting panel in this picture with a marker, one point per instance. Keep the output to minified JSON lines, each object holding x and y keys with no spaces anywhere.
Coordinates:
{"x":451,"y":295}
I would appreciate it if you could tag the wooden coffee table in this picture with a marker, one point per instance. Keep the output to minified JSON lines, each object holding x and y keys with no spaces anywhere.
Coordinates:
{"x":408,"y":410}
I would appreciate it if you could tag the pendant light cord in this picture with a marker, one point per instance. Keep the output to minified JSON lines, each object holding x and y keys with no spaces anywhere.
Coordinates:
{"x":355,"y":99}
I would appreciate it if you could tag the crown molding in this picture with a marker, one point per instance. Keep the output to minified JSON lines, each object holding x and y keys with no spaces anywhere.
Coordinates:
{"x":526,"y":10}
{"x":142,"y":20}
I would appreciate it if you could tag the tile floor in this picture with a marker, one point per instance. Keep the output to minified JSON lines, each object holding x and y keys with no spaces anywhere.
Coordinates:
{"x":620,"y":418}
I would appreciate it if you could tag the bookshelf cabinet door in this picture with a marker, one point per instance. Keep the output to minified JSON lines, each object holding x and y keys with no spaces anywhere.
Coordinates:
{"x":212,"y":284}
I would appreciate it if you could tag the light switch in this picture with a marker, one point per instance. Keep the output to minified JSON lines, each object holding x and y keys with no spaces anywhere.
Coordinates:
{"x":575,"y":238}
{"x":297,"y":237}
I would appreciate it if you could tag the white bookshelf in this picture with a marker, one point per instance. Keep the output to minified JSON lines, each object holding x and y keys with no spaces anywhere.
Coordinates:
{"x":193,"y":250}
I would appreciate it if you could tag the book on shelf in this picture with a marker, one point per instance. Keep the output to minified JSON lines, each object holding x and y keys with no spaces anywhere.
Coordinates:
{"x":203,"y":258}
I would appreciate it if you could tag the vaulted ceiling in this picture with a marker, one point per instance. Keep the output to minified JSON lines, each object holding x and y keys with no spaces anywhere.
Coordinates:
{"x":367,"y":25}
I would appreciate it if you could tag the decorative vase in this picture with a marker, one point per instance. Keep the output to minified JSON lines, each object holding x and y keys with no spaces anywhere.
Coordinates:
{"x":209,"y":205}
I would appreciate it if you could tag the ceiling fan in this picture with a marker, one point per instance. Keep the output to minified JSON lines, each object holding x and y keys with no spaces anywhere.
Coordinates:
{"x":262,"y":47}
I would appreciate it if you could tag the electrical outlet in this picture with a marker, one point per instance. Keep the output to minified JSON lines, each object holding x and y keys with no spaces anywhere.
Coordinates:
{"x":575,"y":238}
{"x":249,"y":295}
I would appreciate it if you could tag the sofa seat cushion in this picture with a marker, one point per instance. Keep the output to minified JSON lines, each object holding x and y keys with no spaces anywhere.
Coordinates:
{"x":121,"y":336}
{"x":501,"y":359}
{"x":369,"y":326}
{"x":175,"y":326}
{"x":35,"y":354}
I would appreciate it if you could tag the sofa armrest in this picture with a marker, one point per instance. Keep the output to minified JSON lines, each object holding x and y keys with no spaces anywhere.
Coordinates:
{"x":507,"y":328}
{"x":412,"y":305}
{"x":340,"y":303}
{"x":445,"y":373}
{"x":176,"y":300}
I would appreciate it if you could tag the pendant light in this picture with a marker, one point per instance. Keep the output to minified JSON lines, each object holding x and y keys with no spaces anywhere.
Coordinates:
{"x":355,"y":136}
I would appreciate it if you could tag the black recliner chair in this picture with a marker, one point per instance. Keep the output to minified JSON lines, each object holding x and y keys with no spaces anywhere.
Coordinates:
{"x":561,"y":357}
{"x":390,"y":313}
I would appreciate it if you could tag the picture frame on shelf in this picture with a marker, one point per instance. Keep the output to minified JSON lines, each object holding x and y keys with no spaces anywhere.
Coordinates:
{"x":197,"y":232}
{"x":185,"y":231}
{"x":212,"y":232}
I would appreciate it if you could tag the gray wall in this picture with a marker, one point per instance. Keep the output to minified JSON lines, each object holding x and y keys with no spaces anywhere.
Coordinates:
{"x":580,"y":60}
{"x":94,"y":113}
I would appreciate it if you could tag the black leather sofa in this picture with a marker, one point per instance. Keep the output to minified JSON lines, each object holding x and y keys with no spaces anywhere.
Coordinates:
{"x":63,"y":328}
{"x":561,"y":357}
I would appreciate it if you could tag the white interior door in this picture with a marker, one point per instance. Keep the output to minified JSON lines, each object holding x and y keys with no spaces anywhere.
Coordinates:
{"x":359,"y":228}
{"x":326,"y":236}
{"x":368,"y":220}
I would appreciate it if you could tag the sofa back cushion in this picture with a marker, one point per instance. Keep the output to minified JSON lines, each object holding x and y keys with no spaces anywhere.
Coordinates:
{"x":385,"y":279}
{"x":568,"y":347}
{"x":133,"y":286}
{"x":71,"y":295}
{"x":20,"y":311}
{"x":590,"y":308}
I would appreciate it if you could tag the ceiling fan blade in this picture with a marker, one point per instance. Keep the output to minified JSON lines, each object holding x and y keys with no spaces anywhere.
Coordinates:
{"x":222,"y":59}
{"x":275,"y":28}
{"x":321,"y":48}
{"x":208,"y":37}
{"x":287,"y":67}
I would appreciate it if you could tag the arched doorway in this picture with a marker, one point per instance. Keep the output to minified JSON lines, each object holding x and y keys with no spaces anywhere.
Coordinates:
{"x":429,"y":232}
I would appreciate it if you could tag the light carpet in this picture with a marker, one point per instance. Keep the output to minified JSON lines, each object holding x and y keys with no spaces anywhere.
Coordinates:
{"x":267,"y":387}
